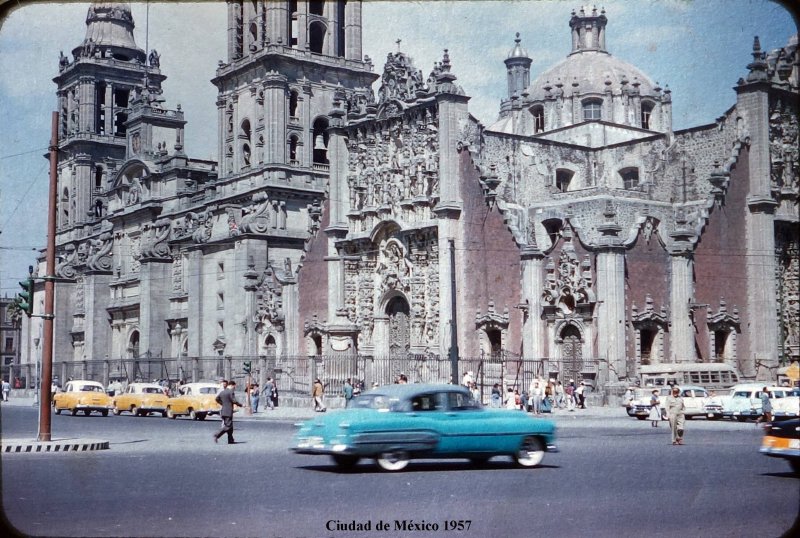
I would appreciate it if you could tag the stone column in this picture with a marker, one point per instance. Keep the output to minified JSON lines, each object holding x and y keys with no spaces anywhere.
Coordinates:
{"x":194,"y":291}
{"x":86,"y":97}
{"x":533,"y":329}
{"x":278,"y":23}
{"x":611,"y":316}
{"x":275,"y":119}
{"x":682,"y":292}
{"x":352,"y":31}
{"x":221,"y":130}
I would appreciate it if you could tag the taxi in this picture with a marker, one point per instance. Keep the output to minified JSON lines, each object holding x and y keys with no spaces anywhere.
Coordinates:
{"x":141,"y":399}
{"x":782,"y":440}
{"x":83,"y":395}
{"x":196,"y":400}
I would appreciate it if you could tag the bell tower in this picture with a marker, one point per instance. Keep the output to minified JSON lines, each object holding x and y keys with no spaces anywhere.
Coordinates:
{"x":286,"y":59}
{"x":95,"y":89}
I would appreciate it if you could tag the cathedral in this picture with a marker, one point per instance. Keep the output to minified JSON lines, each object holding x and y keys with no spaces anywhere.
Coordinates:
{"x":360,"y":222}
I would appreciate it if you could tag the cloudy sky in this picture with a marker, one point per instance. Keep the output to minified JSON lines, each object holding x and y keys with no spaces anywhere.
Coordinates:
{"x":697,"y":47}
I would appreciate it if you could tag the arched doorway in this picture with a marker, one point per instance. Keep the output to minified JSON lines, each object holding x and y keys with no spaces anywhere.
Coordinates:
{"x":397,"y":310}
{"x":571,"y":353}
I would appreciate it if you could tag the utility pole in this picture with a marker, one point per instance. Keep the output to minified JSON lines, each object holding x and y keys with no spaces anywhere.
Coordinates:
{"x":453,"y":317}
{"x":49,"y":289}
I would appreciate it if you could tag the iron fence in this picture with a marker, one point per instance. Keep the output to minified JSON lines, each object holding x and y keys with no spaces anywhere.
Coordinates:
{"x":295,"y":375}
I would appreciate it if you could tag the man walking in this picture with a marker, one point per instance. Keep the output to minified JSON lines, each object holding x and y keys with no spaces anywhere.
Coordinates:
{"x":6,"y":389}
{"x":227,"y":399}
{"x":269,"y":390}
{"x":676,"y":415}
{"x":347,"y":392}
{"x":766,"y":407}
{"x":317,"y":392}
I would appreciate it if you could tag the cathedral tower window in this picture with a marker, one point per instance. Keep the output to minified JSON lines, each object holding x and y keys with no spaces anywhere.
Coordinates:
{"x":293,"y":24}
{"x":317,"y":340}
{"x":563,"y":179}
{"x":647,"y":339}
{"x":293,"y":142}
{"x":341,"y":10}
{"x":316,"y":34}
{"x":293,"y":104}
{"x":253,"y":36}
{"x":592,"y":109}
{"x":100,"y":109}
{"x":538,"y":119}
{"x":245,"y":133}
{"x":98,"y":178}
{"x":630,"y":178}
{"x":65,"y":207}
{"x":121,"y":116}
{"x":133,"y":345}
{"x":320,"y":141}
{"x":316,"y":7}
{"x":647,"y":112}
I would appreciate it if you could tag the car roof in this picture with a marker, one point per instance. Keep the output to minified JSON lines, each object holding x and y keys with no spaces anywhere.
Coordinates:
{"x":200,"y":384}
{"x":406,"y":390}
{"x":85,"y":382}
{"x":152,"y":385}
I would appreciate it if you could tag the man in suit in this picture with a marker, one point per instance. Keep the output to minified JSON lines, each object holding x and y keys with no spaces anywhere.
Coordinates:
{"x":227,"y":399}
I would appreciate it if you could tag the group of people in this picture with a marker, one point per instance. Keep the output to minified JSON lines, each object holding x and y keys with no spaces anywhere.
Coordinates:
{"x":541,"y":397}
{"x":269,"y":393}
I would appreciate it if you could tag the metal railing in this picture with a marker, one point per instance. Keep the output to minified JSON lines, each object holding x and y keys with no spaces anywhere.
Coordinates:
{"x":296,"y":374}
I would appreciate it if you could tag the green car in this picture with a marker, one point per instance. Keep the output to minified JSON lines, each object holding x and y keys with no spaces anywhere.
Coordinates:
{"x":397,"y":423}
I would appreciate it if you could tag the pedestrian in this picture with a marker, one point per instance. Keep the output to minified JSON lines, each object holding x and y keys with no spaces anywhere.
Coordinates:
{"x":269,"y":388}
{"x":676,"y":415}
{"x":227,"y":399}
{"x":317,"y":394}
{"x":275,"y":392}
{"x":579,"y":392}
{"x":766,"y":407}
{"x":536,"y":397}
{"x":358,"y":388}
{"x":347,"y":392}
{"x":497,"y":396}
{"x":467,"y":379}
{"x":569,"y":392}
{"x":511,"y":402}
{"x":655,"y":410}
{"x":254,"y":397}
{"x":476,"y":394}
{"x":6,"y":389}
{"x":560,"y":395}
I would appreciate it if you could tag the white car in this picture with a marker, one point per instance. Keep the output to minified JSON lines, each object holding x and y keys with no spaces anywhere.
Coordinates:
{"x":745,"y":402}
{"x":694,"y":400}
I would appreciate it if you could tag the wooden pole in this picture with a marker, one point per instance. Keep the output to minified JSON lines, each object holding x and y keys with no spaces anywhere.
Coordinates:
{"x":49,"y":289}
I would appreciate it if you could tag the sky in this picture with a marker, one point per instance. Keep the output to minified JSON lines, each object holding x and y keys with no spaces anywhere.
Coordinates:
{"x":699,"y":48}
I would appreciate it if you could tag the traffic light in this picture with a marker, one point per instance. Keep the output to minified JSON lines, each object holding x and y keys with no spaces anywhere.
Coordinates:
{"x":247,"y":366}
{"x":25,"y":297}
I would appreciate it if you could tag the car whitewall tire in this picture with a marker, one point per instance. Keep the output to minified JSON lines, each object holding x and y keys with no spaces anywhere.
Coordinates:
{"x":395,"y":460}
{"x":530,"y":453}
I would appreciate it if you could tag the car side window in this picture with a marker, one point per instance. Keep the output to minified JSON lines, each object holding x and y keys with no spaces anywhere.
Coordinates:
{"x":423,"y":402}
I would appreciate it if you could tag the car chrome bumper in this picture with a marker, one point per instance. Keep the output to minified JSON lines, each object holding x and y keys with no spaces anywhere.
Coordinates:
{"x":551,"y":447}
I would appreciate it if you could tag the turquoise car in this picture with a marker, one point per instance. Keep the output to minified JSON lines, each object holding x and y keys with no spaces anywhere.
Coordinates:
{"x":397,"y":423}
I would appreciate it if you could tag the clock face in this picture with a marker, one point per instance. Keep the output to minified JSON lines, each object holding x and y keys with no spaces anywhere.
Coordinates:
{"x":136,"y":143}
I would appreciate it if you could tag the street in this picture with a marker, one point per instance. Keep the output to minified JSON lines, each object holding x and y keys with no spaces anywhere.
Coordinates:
{"x":613,"y":476}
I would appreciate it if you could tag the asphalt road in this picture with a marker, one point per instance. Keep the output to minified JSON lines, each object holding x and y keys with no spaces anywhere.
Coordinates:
{"x":614,"y":476}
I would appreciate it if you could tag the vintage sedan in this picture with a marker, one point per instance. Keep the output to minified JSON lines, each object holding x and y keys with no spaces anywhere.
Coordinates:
{"x":141,"y":399}
{"x":397,"y":423}
{"x":83,"y":395}
{"x":197,"y":400}
{"x":782,"y":440}
{"x":694,"y":399}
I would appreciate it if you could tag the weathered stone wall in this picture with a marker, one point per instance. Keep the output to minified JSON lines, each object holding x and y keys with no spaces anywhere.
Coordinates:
{"x":312,"y":280}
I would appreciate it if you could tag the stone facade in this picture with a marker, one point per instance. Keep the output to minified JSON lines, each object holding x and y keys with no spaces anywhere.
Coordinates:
{"x":339,"y":220}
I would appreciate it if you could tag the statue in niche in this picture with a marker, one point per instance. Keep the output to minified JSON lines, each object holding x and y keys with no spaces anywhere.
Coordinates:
{"x":154,"y":59}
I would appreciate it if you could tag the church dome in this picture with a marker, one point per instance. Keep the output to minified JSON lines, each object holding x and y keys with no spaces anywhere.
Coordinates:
{"x":594,"y":72}
{"x":109,"y":26}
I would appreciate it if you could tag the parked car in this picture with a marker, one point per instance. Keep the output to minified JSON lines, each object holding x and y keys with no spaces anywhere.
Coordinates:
{"x":397,"y":423}
{"x":197,"y":400}
{"x":694,"y":399}
{"x":82,"y":395}
{"x":782,"y":440}
{"x":141,"y":399}
{"x":745,"y":402}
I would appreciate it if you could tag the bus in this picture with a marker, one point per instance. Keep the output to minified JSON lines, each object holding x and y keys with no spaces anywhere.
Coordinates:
{"x":709,"y":375}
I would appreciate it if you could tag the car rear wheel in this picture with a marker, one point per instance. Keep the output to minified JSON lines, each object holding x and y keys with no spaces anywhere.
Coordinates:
{"x":58,"y":411}
{"x":201,"y":416}
{"x":345,"y":461}
{"x":395,"y":460}
{"x":87,"y":412}
{"x":115,"y":411}
{"x":164,"y":414}
{"x":134,"y":411}
{"x":104,"y":412}
{"x":73,"y":412}
{"x":530,"y":453}
{"x":631,"y":411}
{"x":169,"y":413}
{"x":192,"y":414}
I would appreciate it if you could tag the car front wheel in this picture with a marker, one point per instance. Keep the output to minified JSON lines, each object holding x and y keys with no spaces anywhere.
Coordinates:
{"x":631,"y":411}
{"x":169,"y":413}
{"x":73,"y":412}
{"x":530,"y":453}
{"x":134,"y":411}
{"x":192,"y":414}
{"x":395,"y":460}
{"x":104,"y":412}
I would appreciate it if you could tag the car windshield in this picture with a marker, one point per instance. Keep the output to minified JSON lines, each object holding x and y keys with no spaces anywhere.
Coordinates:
{"x":91,"y":388}
{"x":151,"y":390}
{"x":380,"y":402}
{"x":208,"y":390}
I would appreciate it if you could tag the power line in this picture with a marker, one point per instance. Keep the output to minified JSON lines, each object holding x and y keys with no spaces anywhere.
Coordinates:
{"x":37,"y":150}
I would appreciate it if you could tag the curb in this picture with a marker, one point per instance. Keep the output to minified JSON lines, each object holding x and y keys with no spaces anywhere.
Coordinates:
{"x":22,"y":446}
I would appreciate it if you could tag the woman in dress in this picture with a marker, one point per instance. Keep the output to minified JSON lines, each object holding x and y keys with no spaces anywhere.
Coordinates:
{"x":655,"y":410}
